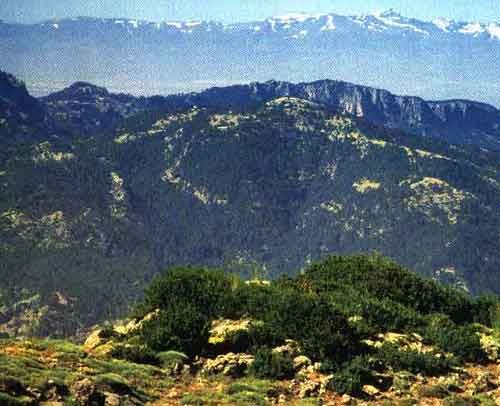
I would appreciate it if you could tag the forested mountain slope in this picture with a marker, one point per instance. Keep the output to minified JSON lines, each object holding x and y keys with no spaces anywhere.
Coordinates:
{"x":86,"y":220}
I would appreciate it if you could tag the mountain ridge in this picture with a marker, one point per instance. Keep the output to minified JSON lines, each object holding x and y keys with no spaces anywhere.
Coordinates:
{"x":389,"y":17}
{"x":456,"y":121}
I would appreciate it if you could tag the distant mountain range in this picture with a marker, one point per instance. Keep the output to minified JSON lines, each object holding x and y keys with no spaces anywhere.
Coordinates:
{"x":101,"y":191}
{"x":438,"y":59}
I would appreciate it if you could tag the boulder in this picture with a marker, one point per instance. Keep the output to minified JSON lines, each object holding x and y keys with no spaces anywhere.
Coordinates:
{"x":485,"y":383}
{"x":491,"y":345}
{"x":133,"y":326}
{"x":229,"y":364}
{"x":301,"y":362}
{"x":403,"y":381}
{"x":309,"y":389}
{"x":370,"y":390}
{"x":229,"y":336}
{"x":291,"y":348}
{"x":94,"y":340}
{"x":86,"y":393}
{"x":221,"y":329}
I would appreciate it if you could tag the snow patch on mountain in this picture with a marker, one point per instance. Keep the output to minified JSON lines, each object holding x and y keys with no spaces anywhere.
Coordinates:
{"x":472,"y":29}
{"x":330,"y":25}
{"x":494,"y":30}
{"x":443,"y":24}
{"x":393,"y":19}
{"x":296,"y":17}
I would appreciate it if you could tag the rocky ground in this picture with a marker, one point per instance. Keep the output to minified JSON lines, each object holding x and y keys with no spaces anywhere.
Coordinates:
{"x":50,"y":372}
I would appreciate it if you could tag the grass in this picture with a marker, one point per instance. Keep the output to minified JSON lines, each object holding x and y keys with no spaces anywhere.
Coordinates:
{"x":224,"y":391}
{"x":484,"y":400}
{"x":33,"y":363}
{"x":7,"y":400}
{"x":30,"y":372}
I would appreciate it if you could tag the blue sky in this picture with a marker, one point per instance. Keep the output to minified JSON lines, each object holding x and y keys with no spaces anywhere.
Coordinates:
{"x":27,"y":11}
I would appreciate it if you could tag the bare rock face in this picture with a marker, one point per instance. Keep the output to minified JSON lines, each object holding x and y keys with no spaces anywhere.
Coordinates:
{"x":228,"y":364}
{"x":301,"y":362}
{"x":456,"y":121}
{"x":290,"y":348}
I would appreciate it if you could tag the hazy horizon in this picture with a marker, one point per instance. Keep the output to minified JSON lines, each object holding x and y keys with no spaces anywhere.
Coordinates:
{"x":226,"y":11}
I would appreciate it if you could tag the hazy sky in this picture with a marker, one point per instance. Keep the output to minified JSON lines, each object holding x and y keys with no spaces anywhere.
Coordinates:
{"x":27,"y":11}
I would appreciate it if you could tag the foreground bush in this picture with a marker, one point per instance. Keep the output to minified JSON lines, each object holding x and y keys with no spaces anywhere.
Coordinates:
{"x":181,"y":328}
{"x":139,"y":354}
{"x":207,"y":291}
{"x":329,"y":310}
{"x":413,"y":361}
{"x":352,"y":377}
{"x":462,"y":341}
{"x":271,"y":365}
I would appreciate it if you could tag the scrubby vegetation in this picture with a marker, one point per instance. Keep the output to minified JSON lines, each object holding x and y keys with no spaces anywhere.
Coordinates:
{"x":355,"y":323}
{"x":332,"y":310}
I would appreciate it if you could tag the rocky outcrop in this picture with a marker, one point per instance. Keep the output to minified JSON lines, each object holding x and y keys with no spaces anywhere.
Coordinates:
{"x":230,"y":364}
{"x":455,"y":121}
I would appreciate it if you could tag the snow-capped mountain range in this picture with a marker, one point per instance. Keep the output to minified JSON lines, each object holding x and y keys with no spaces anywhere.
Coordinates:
{"x":433,"y":59}
{"x":305,"y":24}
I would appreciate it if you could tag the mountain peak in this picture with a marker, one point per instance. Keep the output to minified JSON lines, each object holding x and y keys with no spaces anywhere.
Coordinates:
{"x":85,"y":89}
{"x":296,"y":17}
{"x":390,"y":13}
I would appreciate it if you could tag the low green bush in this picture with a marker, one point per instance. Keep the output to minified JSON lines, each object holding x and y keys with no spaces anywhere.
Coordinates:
{"x":413,"y":361}
{"x":207,"y":291}
{"x":7,"y":400}
{"x":169,"y":359}
{"x":351,"y":378}
{"x":433,"y":391}
{"x":181,"y":328}
{"x":269,"y":364}
{"x":462,"y":341}
{"x":113,"y":382}
{"x":139,"y":354}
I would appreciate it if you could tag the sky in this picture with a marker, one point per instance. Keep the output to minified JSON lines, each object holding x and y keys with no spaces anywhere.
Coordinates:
{"x":30,"y":11}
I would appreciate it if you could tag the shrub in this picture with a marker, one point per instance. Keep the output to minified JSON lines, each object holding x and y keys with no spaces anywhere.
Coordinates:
{"x":271,"y":365}
{"x":487,"y":310}
{"x":208,"y":291}
{"x":462,"y":341}
{"x":433,"y":391}
{"x":413,"y":361}
{"x":264,"y":335}
{"x":139,"y":354}
{"x":169,"y":359}
{"x":181,"y":328}
{"x":113,"y":382}
{"x":382,"y":278}
{"x":455,"y":400}
{"x":322,"y":331}
{"x":107,"y":331}
{"x":7,"y":400}
{"x":351,"y":378}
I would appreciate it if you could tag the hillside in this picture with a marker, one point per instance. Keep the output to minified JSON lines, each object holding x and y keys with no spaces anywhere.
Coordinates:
{"x":20,"y":113}
{"x":355,"y":330}
{"x":266,"y":189}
